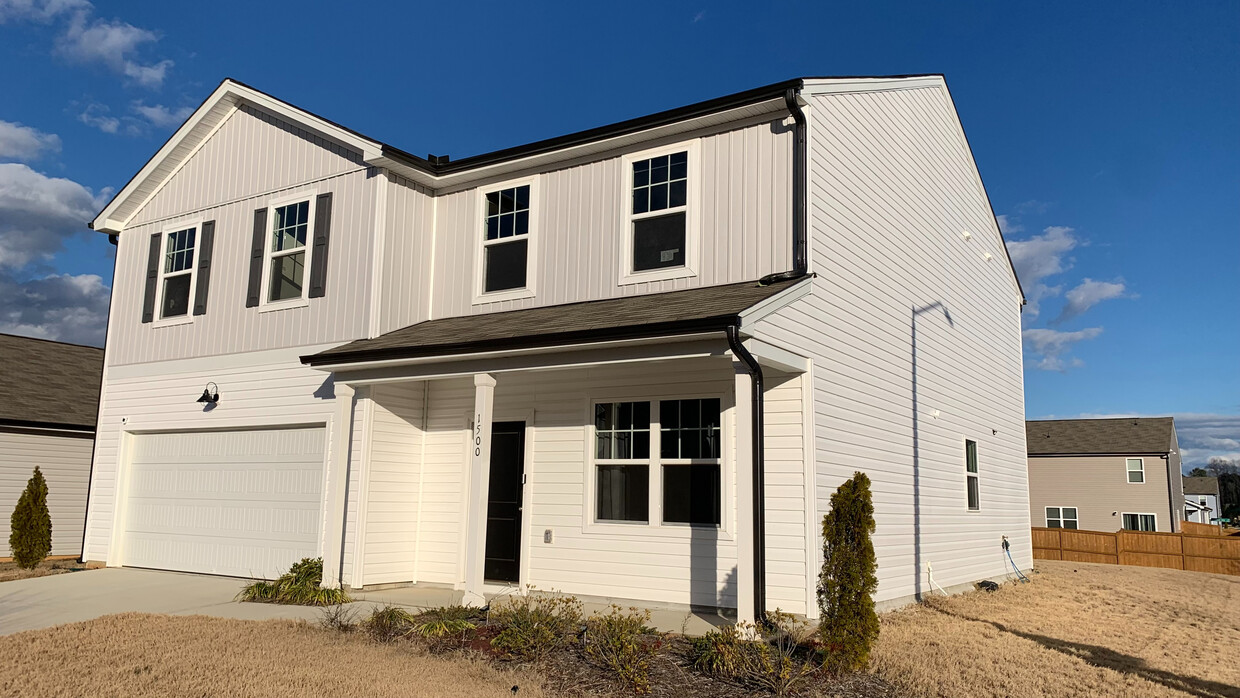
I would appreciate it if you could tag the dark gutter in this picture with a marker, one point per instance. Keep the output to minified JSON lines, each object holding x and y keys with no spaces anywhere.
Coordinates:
{"x":83,"y":429}
{"x":757,"y":429}
{"x":800,"y":156}
{"x":1171,"y":491}
{"x":1159,"y":454}
{"x":716,"y":323}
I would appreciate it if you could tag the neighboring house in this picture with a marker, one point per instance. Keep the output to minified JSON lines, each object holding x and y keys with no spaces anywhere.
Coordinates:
{"x":49,"y":397}
{"x":1201,"y":499}
{"x":538,"y":366}
{"x":1105,"y":474}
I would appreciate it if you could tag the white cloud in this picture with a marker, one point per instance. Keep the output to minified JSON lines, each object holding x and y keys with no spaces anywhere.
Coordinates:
{"x":1049,"y":348}
{"x":160,"y":116}
{"x":114,"y":44}
{"x":1088,"y":294}
{"x":38,"y":10}
{"x":37,"y":214}
{"x":63,"y":307}
{"x":1008,"y":225}
{"x":19,"y":142}
{"x":1039,"y":257}
{"x":97,"y":115}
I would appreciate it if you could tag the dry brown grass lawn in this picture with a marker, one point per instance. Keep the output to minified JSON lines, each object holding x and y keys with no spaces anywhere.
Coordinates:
{"x":10,"y":571}
{"x":1077,"y":630}
{"x":152,"y":655}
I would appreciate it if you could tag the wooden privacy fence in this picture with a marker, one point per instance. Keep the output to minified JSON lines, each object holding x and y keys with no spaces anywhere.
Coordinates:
{"x":1177,"y":551}
{"x":1198,"y":529}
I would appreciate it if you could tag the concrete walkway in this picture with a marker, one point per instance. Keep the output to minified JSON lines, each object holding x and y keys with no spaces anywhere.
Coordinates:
{"x":41,"y":602}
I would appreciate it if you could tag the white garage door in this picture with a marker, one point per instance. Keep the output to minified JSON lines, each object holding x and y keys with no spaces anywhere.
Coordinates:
{"x":237,"y":503}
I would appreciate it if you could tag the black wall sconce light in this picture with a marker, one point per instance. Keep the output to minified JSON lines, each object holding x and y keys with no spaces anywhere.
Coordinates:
{"x":210,"y":394}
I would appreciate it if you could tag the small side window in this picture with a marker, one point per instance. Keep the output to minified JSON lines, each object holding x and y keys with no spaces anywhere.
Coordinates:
{"x":972,"y":477}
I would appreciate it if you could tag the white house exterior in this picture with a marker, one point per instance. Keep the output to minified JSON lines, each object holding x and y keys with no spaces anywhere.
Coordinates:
{"x":1201,"y":503}
{"x":536,"y":367}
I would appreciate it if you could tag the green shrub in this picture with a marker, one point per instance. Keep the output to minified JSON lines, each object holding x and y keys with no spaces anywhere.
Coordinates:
{"x":533,"y":626}
{"x":622,"y":643}
{"x":30,"y":537}
{"x":300,"y":586}
{"x":446,"y":620}
{"x":388,"y":623}
{"x":849,"y":625}
{"x":777,"y":659}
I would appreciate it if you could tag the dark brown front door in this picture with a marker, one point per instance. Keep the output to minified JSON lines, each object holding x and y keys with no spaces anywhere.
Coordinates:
{"x":503,"y":546}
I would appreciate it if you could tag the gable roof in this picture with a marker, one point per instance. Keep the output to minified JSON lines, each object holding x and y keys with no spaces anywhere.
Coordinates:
{"x":182,"y":144}
{"x":703,"y":309}
{"x":1201,"y":485}
{"x":1135,"y":435}
{"x":52,"y":384}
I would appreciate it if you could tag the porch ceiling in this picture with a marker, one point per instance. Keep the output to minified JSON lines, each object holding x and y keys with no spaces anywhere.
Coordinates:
{"x":705,"y":309}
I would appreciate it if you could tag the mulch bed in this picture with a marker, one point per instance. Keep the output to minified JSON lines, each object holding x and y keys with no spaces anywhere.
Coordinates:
{"x":10,"y":571}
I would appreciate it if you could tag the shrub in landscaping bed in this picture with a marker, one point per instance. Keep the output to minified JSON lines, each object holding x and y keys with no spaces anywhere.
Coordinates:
{"x":300,"y":586}
{"x":779,"y":658}
{"x":447,"y":621}
{"x":623,"y":644}
{"x":388,"y":623}
{"x":30,"y":534}
{"x":531,"y":626}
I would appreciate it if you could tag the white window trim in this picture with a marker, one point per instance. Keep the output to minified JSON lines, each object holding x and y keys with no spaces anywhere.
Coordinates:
{"x":965,"y":448}
{"x":1122,"y":514}
{"x":481,"y":243}
{"x":1126,"y":471}
{"x":1047,"y":517}
{"x":654,"y":524}
{"x":188,"y":317}
{"x":692,"y":209}
{"x":265,"y":303}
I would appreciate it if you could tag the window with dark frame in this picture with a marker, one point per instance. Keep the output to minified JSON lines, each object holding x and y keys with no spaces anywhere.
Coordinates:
{"x":290,"y":229}
{"x":689,"y":450}
{"x":972,"y":478}
{"x":1140,"y":522}
{"x":1061,"y":517}
{"x":622,"y":457}
{"x":506,"y":240}
{"x":178,"y":272}
{"x":659,"y":220}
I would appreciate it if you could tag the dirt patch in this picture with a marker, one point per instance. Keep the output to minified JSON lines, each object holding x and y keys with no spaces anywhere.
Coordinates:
{"x":10,"y":571}
{"x":1077,"y":630}
{"x":149,"y":655}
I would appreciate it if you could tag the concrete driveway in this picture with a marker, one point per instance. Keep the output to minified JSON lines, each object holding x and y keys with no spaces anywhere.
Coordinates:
{"x":29,"y":604}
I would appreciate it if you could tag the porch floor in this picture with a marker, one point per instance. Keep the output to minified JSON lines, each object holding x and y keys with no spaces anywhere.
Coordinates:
{"x":693,"y":623}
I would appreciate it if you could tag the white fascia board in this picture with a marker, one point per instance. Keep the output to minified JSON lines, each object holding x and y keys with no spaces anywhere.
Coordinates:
{"x":225,"y":97}
{"x":844,"y":85}
{"x":776,"y":357}
{"x":756,"y":312}
{"x":509,"y":353}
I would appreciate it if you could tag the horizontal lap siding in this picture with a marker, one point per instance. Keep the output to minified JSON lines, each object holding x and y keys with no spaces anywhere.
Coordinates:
{"x":892,"y":187}
{"x":744,"y":223}
{"x":390,"y":532}
{"x":256,"y":390}
{"x":1098,"y":486}
{"x":65,"y":464}
{"x":441,"y":529}
{"x":786,"y":578}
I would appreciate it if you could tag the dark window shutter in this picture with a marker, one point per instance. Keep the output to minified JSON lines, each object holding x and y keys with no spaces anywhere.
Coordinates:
{"x":318,"y":259}
{"x":152,"y":278}
{"x":256,"y":259}
{"x":206,"y":240}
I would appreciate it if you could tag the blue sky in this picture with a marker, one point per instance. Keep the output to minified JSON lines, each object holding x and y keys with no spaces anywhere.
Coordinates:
{"x":1108,"y":136}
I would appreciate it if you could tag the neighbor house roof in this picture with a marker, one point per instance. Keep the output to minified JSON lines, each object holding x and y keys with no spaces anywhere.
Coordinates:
{"x":652,"y":315}
{"x":49,"y":384}
{"x":1201,"y":485}
{"x":1099,"y":436}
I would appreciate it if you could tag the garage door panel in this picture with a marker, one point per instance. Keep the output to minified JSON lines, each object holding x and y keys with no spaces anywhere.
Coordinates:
{"x":242,"y":503}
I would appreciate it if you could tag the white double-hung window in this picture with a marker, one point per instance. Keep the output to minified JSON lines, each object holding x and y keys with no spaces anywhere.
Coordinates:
{"x":661,"y":236}
{"x":1136,"y":470}
{"x":1061,"y":517}
{"x":176,"y":272}
{"x":287,"y":258}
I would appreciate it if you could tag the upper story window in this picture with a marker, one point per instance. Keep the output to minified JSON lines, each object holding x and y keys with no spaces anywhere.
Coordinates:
{"x":176,"y":281}
{"x":661,"y":238}
{"x":286,"y":252}
{"x":508,"y":235}
{"x":1136,"y":470}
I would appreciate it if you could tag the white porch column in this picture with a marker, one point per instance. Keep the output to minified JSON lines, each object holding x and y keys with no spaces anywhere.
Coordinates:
{"x":479,"y":476}
{"x":744,"y":494}
{"x":337,"y":484}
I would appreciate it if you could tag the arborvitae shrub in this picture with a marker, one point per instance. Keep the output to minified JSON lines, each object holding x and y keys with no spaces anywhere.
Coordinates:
{"x":30,"y":536}
{"x":848,"y":581}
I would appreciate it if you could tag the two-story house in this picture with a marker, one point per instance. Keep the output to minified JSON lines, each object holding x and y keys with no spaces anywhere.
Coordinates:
{"x":631,"y":362}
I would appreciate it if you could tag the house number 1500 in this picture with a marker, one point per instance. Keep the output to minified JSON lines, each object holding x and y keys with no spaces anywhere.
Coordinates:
{"x":478,"y":436}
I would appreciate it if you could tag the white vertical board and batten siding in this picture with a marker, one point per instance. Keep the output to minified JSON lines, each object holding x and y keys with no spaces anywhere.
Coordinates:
{"x":406,"y":274}
{"x":892,"y":186}
{"x":65,"y":464}
{"x":745,"y":216}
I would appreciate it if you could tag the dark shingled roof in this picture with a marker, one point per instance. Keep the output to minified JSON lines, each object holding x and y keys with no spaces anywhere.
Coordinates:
{"x":49,"y":383}
{"x":1087,"y":436}
{"x":1201,"y":485}
{"x":652,"y":315}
